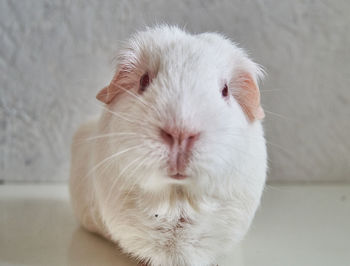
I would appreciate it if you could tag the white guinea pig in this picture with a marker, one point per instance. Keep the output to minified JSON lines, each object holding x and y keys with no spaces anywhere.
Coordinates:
{"x":174,"y":169}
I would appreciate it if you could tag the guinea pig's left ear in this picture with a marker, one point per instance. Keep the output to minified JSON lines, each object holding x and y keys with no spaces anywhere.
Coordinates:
{"x":247,"y":94}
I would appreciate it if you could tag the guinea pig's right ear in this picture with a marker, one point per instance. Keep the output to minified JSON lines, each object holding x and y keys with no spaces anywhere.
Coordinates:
{"x":104,"y":95}
{"x":126,"y":77}
{"x":108,"y":93}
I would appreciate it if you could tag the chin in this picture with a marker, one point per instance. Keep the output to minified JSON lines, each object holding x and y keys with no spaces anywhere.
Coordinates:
{"x":162,"y":182}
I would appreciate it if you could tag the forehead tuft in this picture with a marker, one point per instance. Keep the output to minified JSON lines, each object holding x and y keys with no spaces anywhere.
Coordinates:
{"x":166,"y":38}
{"x":164,"y":47}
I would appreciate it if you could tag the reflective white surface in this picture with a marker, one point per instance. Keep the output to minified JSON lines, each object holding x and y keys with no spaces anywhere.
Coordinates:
{"x":295,"y":226}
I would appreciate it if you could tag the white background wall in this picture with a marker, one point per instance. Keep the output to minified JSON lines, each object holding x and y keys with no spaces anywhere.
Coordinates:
{"x":55,"y":56}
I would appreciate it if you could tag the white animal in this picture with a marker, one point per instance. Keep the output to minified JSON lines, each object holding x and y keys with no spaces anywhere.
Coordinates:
{"x":174,"y":169}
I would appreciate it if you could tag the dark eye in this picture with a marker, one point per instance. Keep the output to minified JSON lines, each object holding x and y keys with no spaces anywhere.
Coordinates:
{"x":224,"y":91}
{"x":144,"y":82}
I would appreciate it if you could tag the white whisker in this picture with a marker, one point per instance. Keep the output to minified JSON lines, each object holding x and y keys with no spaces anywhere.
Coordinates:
{"x":111,"y":157}
{"x":111,"y":135}
{"x":120,"y":175}
{"x":137,"y":97}
{"x":120,"y":115}
{"x":136,"y":180}
{"x":278,"y":115}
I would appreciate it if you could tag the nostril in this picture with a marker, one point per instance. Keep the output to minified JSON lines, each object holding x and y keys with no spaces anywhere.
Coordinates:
{"x":183,"y":138}
{"x":192,"y":138}
{"x":167,"y":137}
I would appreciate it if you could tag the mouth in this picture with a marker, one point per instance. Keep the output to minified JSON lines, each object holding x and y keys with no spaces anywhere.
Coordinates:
{"x":178,"y":176}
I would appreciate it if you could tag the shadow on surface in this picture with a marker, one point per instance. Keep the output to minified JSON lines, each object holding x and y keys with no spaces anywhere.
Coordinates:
{"x":43,"y":231}
{"x":90,"y":249}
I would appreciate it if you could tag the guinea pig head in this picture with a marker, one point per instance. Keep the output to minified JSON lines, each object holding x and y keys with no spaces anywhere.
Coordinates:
{"x":183,"y":108}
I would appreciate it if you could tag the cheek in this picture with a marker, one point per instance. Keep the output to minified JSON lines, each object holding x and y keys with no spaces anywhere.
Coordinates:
{"x":154,"y":182}
{"x":239,"y":118}
{"x":222,"y":142}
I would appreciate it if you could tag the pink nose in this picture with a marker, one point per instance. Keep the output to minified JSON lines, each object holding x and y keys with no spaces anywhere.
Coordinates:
{"x":180,"y":143}
{"x":176,"y":137}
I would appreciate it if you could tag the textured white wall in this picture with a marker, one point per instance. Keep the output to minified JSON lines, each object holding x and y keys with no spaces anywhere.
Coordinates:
{"x":55,"y":56}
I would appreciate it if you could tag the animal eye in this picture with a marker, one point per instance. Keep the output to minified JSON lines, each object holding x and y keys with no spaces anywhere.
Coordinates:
{"x":144,"y":82}
{"x":224,"y":91}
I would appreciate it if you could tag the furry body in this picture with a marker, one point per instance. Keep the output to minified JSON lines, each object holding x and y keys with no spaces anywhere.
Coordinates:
{"x":119,"y":183}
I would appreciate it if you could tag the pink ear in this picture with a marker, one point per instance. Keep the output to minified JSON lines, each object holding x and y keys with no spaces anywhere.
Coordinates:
{"x":123,"y":80}
{"x":248,"y":96}
{"x":108,"y":93}
{"x":105,"y":95}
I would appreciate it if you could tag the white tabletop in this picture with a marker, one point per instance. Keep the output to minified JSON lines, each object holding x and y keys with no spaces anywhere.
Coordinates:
{"x":295,"y":226}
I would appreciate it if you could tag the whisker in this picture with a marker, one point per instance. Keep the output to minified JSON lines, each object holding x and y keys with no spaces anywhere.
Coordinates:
{"x":279,"y":115}
{"x":84,"y":141}
{"x":111,"y":135}
{"x":146,"y":122}
{"x":133,"y":185}
{"x":137,"y":97}
{"x":121,"y":174}
{"x":278,"y":146}
{"x":134,"y":171}
{"x":111,"y":157}
{"x":118,"y":114}
{"x":272,"y":90}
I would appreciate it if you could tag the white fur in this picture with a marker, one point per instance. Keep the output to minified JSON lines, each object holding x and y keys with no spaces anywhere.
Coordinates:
{"x":120,"y":197}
